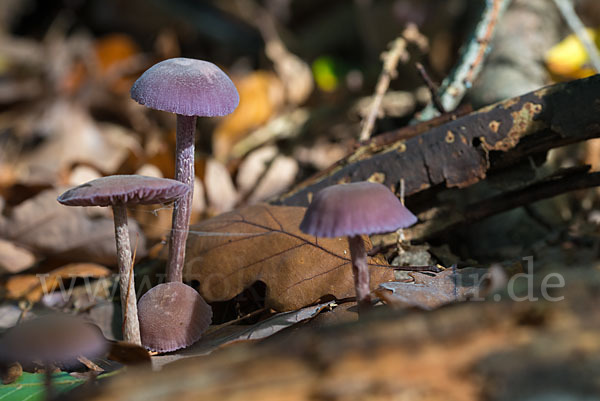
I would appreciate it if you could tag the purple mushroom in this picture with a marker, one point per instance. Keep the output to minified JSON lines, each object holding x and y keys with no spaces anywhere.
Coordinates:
{"x":188,"y":88}
{"x":119,"y":191}
{"x":353,"y":210}
{"x":172,"y":316}
{"x":52,"y":341}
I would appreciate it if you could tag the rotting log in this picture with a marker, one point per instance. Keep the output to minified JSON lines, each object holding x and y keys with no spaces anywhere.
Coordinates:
{"x":446,"y":217}
{"x":459,"y":152}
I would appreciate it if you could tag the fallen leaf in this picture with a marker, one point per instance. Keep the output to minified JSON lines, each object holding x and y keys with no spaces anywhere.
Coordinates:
{"x":220,"y":190}
{"x":33,"y":287}
{"x":128,"y":353}
{"x":9,"y":315}
{"x":82,"y":174}
{"x":265,"y":173}
{"x":13,"y":258}
{"x":429,"y":292}
{"x":229,"y":334}
{"x":263,"y":243}
{"x":261,"y":95}
{"x":12,"y":373}
{"x":568,"y":59}
{"x":293,"y":72}
{"x":48,"y":228}
{"x":71,"y":136}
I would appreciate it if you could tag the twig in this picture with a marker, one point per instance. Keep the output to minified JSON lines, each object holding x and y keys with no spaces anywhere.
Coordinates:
{"x":473,"y":54}
{"x":390,"y":58}
{"x":242,"y":318}
{"x":433,"y":89}
{"x":568,"y":12}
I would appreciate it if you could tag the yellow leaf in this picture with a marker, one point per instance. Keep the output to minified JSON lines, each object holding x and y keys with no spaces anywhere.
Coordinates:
{"x":568,"y":58}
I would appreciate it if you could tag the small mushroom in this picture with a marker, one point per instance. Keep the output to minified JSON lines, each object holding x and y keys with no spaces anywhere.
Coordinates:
{"x":172,"y":316}
{"x":119,"y":191}
{"x":353,"y":210}
{"x":189,"y":88}
{"x":52,"y":341}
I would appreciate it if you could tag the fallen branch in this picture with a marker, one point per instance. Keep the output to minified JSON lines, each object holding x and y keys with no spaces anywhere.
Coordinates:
{"x":459,"y":153}
{"x":438,"y":220}
{"x":472,"y":56}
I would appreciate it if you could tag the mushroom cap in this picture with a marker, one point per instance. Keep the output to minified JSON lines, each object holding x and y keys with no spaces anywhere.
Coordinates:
{"x":52,"y":339}
{"x":186,"y":86}
{"x":172,"y":316}
{"x":124,"y":189}
{"x":355,"y":209}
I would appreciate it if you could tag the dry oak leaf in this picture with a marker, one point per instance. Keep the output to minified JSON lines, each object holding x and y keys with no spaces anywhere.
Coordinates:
{"x":33,"y":287}
{"x":263,"y":243}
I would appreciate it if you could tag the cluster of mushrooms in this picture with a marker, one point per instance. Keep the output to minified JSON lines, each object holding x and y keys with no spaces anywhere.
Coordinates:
{"x":173,"y":315}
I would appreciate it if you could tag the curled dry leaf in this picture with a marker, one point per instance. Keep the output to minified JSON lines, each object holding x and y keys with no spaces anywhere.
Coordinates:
{"x":263,"y":243}
{"x":428,"y":291}
{"x":220,"y":191}
{"x":265,"y":173}
{"x":71,"y":136}
{"x":48,"y":228}
{"x":261,"y":96}
{"x":223,"y":335}
{"x":33,"y":287}
{"x":13,"y":258}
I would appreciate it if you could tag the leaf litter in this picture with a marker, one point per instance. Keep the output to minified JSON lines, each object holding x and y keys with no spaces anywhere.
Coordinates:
{"x":297,"y":269}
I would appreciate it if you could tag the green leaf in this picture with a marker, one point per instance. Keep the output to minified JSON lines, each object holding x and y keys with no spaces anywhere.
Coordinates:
{"x":30,"y":386}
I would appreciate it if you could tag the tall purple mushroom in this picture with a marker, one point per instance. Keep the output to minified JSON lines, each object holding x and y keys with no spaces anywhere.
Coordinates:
{"x":353,"y":210}
{"x":188,"y":88}
{"x":119,"y":191}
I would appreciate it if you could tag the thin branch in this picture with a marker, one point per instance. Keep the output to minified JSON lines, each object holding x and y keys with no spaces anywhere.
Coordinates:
{"x":473,"y":54}
{"x":433,"y":89}
{"x":390,"y":58}
{"x":568,"y":12}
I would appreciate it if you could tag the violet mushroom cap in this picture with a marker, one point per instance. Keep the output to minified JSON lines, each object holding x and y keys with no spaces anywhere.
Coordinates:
{"x":126,"y":189}
{"x":118,"y":191}
{"x":355,"y":209}
{"x":172,"y":316}
{"x":188,"y":87}
{"x":352,"y":210}
{"x":52,"y":340}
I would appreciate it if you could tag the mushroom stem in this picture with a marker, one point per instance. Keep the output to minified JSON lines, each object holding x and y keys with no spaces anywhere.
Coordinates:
{"x":184,"y":172}
{"x":48,"y":368}
{"x":131,"y":327}
{"x":358,"y":254}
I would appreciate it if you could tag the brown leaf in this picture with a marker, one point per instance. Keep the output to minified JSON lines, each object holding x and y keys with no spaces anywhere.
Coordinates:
{"x":33,"y":287}
{"x":72,"y":136}
{"x":45,"y":227}
{"x":263,"y":243}
{"x":13,"y":258}
{"x":128,"y":353}
{"x":12,"y":373}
